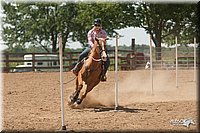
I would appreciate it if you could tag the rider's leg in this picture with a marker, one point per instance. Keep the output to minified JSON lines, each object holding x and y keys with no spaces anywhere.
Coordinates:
{"x":78,"y":66}
{"x":84,"y":54}
{"x":106,"y":65}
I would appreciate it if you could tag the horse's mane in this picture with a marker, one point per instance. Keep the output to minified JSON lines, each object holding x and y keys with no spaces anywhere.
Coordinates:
{"x":93,"y":48}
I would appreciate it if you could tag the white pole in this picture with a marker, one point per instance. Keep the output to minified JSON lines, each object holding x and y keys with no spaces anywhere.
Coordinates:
{"x":151,"y":65}
{"x":61,"y":82}
{"x":195,"y":59}
{"x":176,"y":63}
{"x":116,"y":72}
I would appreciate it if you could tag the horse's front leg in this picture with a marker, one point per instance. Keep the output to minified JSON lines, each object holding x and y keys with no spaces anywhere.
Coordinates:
{"x":75,"y":95}
{"x":83,"y":95}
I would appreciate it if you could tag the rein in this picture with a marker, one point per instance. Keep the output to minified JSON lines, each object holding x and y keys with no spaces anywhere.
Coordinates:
{"x":97,"y":60}
{"x":69,"y":81}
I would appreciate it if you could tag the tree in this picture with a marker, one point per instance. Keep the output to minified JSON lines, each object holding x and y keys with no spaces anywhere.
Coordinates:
{"x":188,"y":29}
{"x":160,"y":20}
{"x":39,"y":23}
{"x":110,"y":14}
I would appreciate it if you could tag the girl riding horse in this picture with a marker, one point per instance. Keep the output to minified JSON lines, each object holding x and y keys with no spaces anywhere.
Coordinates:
{"x":90,"y":72}
{"x":98,"y":32}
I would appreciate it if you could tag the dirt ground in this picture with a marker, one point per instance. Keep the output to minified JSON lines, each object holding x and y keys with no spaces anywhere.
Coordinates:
{"x":31,"y":102}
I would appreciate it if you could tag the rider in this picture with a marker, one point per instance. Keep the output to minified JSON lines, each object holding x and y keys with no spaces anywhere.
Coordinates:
{"x":98,"y":32}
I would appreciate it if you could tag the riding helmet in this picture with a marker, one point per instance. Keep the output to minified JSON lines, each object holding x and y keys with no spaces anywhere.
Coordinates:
{"x":97,"y":21}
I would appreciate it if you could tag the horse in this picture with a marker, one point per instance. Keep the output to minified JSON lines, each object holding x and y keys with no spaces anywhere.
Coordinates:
{"x":90,"y":71}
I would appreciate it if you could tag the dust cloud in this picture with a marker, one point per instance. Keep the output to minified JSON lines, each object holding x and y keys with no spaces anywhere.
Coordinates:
{"x":135,"y":87}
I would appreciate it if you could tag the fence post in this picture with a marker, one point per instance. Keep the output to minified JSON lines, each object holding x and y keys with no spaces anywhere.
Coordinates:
{"x":33,"y":62}
{"x":133,"y":58}
{"x":133,"y":44}
{"x":70,"y":61}
{"x":7,"y":63}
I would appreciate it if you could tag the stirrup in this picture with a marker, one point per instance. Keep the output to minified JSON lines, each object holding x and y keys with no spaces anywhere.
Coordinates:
{"x":77,"y":68}
{"x":74,"y":72}
{"x":103,"y":78}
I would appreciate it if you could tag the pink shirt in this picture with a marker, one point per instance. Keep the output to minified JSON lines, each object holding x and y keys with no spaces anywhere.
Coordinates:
{"x":92,"y":34}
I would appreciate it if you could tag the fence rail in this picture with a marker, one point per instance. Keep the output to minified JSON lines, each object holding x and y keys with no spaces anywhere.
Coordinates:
{"x":127,"y":60}
{"x":10,"y":61}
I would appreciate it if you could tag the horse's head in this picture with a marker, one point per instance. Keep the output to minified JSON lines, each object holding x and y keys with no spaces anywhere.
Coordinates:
{"x":101,"y":48}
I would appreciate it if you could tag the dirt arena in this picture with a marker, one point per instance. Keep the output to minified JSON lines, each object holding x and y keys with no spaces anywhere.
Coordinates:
{"x":31,"y":102}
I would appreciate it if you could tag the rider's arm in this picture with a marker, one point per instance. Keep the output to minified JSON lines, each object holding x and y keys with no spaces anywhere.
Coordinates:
{"x":103,"y":35}
{"x":90,"y":38}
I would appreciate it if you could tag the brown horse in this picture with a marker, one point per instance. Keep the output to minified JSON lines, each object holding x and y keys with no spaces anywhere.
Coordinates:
{"x":90,"y":72}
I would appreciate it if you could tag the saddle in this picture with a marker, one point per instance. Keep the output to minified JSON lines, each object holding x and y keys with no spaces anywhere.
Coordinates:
{"x":80,"y":64}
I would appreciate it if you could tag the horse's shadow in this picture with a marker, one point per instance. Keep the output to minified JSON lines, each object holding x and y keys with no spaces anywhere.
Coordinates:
{"x":119,"y":109}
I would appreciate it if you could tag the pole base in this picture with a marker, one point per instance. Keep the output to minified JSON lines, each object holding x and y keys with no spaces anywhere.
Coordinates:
{"x":116,"y":108}
{"x":119,"y":109}
{"x":63,"y":128}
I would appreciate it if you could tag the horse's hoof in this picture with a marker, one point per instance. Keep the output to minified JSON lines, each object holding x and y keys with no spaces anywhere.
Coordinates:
{"x":78,"y":101}
{"x":75,"y":106}
{"x":70,"y":101}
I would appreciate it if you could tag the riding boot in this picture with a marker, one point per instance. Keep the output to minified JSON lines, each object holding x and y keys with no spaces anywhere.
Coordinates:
{"x":77,"y":68}
{"x":103,"y":76}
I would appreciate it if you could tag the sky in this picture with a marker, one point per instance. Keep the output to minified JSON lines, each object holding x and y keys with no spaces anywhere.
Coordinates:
{"x":139,"y":34}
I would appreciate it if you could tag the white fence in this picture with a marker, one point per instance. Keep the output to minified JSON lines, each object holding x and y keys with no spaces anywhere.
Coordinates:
{"x":185,"y":55}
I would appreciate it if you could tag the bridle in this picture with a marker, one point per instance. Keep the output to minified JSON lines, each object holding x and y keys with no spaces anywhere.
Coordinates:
{"x":102,"y":49}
